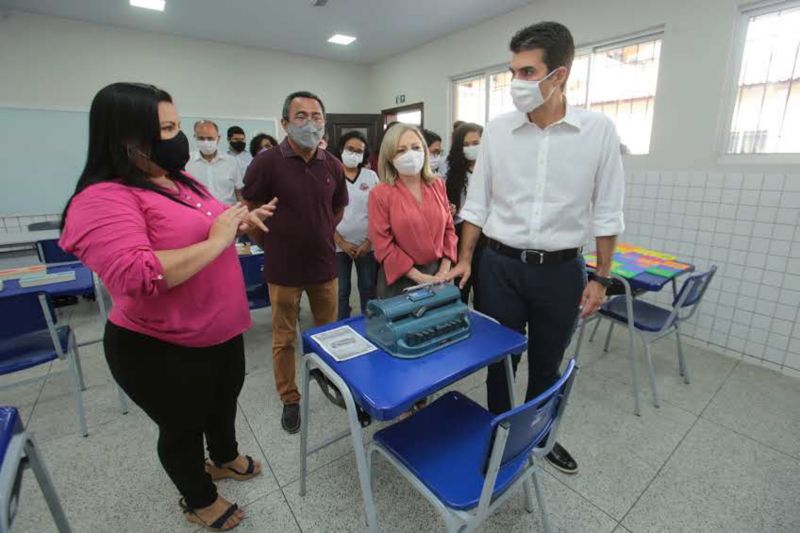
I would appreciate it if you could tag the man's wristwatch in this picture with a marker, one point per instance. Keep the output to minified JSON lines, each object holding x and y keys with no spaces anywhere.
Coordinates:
{"x":605,"y":282}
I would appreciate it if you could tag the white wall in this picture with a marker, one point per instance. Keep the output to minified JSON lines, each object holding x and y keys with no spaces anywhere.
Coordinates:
{"x":695,"y":52}
{"x":49,"y":62}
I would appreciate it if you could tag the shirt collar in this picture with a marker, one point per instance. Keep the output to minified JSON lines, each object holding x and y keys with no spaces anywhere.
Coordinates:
{"x":288,"y":151}
{"x":570,"y":118}
{"x":197,"y":156}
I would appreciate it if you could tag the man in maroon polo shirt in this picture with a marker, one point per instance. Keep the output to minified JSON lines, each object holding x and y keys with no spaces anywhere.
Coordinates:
{"x":309,"y":184}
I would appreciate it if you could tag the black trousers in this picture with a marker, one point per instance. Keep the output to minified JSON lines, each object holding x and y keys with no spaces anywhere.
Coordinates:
{"x":543,"y":299}
{"x":189,"y":393}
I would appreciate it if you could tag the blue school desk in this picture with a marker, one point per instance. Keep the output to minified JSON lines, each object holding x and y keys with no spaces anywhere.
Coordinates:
{"x":385,"y":386}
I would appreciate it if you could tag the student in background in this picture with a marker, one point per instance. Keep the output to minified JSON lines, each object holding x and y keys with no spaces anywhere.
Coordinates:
{"x":438,"y":165}
{"x":237,"y":147}
{"x":262,"y":142}
{"x":460,"y":163}
{"x":163,"y":247}
{"x":410,"y":225}
{"x":220,"y":173}
{"x":310,"y":186}
{"x":352,"y":244}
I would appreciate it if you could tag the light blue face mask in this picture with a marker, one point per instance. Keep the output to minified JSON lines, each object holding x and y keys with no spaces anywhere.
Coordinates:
{"x":308,"y":135}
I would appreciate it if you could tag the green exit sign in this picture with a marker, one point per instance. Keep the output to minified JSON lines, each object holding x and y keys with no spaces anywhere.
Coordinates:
{"x":401,"y":99}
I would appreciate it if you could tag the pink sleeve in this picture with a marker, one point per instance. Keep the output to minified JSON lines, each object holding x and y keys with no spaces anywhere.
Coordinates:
{"x":396,"y":263}
{"x":106,"y":229}
{"x":450,"y":241}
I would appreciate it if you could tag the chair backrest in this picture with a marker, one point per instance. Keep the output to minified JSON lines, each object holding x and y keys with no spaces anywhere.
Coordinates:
{"x":252,"y":267}
{"x":529,"y":423}
{"x":23,"y":313}
{"x":693,"y":289}
{"x":50,"y":252}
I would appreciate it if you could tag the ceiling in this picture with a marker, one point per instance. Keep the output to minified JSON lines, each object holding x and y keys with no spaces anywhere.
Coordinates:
{"x":383,"y":27}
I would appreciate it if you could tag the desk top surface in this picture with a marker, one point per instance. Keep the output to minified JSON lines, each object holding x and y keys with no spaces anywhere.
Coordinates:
{"x":82,"y":283}
{"x":643,"y":268}
{"x":386,"y":386}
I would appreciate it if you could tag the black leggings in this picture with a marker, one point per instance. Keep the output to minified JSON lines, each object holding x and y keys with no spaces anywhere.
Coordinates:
{"x":189,"y":393}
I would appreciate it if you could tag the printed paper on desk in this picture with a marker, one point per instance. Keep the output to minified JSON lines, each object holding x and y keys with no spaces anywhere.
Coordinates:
{"x":343,"y":343}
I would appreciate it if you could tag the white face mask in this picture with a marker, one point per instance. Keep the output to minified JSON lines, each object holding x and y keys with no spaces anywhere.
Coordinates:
{"x":527,"y":95}
{"x":436,"y":162}
{"x":410,"y":162}
{"x":207,"y":147}
{"x":351,"y":159}
{"x":471,"y":152}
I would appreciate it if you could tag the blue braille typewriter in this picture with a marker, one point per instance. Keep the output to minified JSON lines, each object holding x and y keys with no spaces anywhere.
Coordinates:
{"x":423,"y":319}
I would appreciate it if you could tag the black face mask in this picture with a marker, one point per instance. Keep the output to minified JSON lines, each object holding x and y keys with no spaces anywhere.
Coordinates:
{"x":238,"y":146}
{"x":171,"y":154}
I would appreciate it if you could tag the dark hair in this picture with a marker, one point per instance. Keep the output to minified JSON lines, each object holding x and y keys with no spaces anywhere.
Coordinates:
{"x":233,"y":130}
{"x":204,"y":121}
{"x":456,"y":124}
{"x":457,"y":164}
{"x":431,"y":137}
{"x":299,"y":94}
{"x":124,"y":117}
{"x":255,"y":142}
{"x":354,"y":135}
{"x":554,"y":39}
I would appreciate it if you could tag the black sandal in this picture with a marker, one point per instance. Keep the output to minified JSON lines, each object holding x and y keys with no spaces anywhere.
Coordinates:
{"x":217,"y":471}
{"x":216,"y":525}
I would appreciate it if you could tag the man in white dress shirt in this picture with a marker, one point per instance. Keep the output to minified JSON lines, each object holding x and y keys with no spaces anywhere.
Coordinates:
{"x":220,"y":173}
{"x":548,"y":178}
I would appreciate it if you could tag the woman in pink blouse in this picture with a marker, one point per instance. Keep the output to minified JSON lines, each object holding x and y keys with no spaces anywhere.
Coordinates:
{"x":163,"y":247}
{"x":410,"y":225}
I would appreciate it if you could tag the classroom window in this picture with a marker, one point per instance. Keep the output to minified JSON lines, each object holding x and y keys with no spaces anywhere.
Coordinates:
{"x":619,"y":80}
{"x":470,"y":99}
{"x":767,"y":101}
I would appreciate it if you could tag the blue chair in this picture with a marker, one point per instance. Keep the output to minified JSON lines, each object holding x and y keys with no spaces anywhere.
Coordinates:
{"x":17,"y":452}
{"x":252,"y":268}
{"x":653,"y":322}
{"x":50,"y":252}
{"x":30,"y":337}
{"x":468,"y":462}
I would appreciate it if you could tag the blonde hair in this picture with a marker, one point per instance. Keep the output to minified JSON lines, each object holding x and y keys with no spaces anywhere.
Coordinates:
{"x":386,"y":171}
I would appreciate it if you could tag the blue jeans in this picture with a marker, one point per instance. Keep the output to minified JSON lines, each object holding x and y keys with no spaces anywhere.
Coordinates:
{"x":366,"y":271}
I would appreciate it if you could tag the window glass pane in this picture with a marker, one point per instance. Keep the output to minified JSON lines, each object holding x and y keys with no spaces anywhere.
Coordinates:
{"x":578,"y":82}
{"x":769,"y":82}
{"x":500,"y":94}
{"x":470,"y":100}
{"x":622,"y":84}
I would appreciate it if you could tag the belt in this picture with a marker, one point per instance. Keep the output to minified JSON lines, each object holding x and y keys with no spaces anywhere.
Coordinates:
{"x":534,"y":257}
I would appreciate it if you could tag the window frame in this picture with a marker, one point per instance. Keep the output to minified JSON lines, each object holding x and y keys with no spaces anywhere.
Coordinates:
{"x":590,"y":48}
{"x":486,"y":74}
{"x":647,"y":34}
{"x":731,"y":87}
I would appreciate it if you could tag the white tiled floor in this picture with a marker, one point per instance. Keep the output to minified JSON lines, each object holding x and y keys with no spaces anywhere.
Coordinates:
{"x":721,"y":454}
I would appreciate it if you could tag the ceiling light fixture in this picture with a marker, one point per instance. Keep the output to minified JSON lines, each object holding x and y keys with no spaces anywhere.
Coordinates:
{"x":344,"y":40}
{"x":155,"y":5}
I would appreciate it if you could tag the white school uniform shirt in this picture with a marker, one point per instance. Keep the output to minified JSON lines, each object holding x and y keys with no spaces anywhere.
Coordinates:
{"x":244,"y":158}
{"x":547,"y":189}
{"x":222,"y":175}
{"x":353,"y":227}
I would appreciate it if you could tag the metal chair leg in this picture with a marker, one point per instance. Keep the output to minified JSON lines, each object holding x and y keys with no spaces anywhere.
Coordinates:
{"x":76,"y":390}
{"x":608,"y":335}
{"x":681,"y":360}
{"x":634,"y":372}
{"x":78,"y":364}
{"x":594,"y":331}
{"x":46,"y":485}
{"x":540,"y":498}
{"x":651,"y":373}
